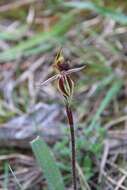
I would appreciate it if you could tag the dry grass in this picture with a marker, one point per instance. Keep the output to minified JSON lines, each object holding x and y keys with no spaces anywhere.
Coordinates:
{"x":30,"y":34}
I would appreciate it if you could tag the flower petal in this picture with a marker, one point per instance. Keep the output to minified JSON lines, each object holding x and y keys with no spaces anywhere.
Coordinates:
{"x":49,"y":80}
{"x":75,"y":70}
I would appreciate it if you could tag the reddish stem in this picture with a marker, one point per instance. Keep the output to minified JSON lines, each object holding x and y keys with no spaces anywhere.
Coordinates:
{"x":73,"y":148}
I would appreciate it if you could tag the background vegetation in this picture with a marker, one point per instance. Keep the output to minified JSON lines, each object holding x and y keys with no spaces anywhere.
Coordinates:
{"x":92,"y":33}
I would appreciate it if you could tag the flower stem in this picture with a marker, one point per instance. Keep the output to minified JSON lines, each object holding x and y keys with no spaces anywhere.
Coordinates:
{"x":73,"y":147}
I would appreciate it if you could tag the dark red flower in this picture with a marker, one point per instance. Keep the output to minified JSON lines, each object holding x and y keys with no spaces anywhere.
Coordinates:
{"x":65,"y":83}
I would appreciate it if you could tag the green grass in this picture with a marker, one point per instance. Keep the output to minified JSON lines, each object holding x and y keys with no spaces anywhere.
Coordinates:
{"x":104,"y":11}
{"x":79,"y":27}
{"x":26,"y":47}
{"x":111,"y":93}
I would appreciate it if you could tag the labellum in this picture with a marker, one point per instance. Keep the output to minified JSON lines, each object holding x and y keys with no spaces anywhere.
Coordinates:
{"x":66,"y":86}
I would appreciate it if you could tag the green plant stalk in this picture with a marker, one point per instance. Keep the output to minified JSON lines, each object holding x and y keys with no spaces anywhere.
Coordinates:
{"x":73,"y":147}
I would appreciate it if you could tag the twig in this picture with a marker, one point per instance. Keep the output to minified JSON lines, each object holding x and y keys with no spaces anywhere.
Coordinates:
{"x":115,"y":122}
{"x":120,"y":182}
{"x":25,"y":75}
{"x":83,"y":180}
{"x":113,"y":181}
{"x":123,"y":171}
{"x":104,"y":159}
{"x":16,"y":180}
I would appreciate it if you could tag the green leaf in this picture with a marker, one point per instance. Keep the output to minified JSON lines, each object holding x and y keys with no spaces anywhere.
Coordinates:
{"x":115,"y":15}
{"x":47,"y":164}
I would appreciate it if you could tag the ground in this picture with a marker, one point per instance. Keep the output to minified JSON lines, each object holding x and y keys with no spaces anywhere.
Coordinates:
{"x":91,"y":33}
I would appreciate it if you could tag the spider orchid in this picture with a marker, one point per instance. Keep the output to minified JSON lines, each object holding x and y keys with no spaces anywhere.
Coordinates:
{"x":66,"y":86}
{"x":63,"y":69}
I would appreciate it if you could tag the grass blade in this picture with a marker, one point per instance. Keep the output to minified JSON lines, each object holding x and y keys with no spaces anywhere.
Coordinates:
{"x":60,"y":28}
{"x":15,"y":35}
{"x":47,"y":163}
{"x":115,"y":15}
{"x":6,"y":176}
{"x":109,"y":96}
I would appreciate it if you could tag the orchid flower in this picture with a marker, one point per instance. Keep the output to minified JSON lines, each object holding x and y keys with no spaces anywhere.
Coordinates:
{"x":66,"y":86}
{"x":65,"y":82}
